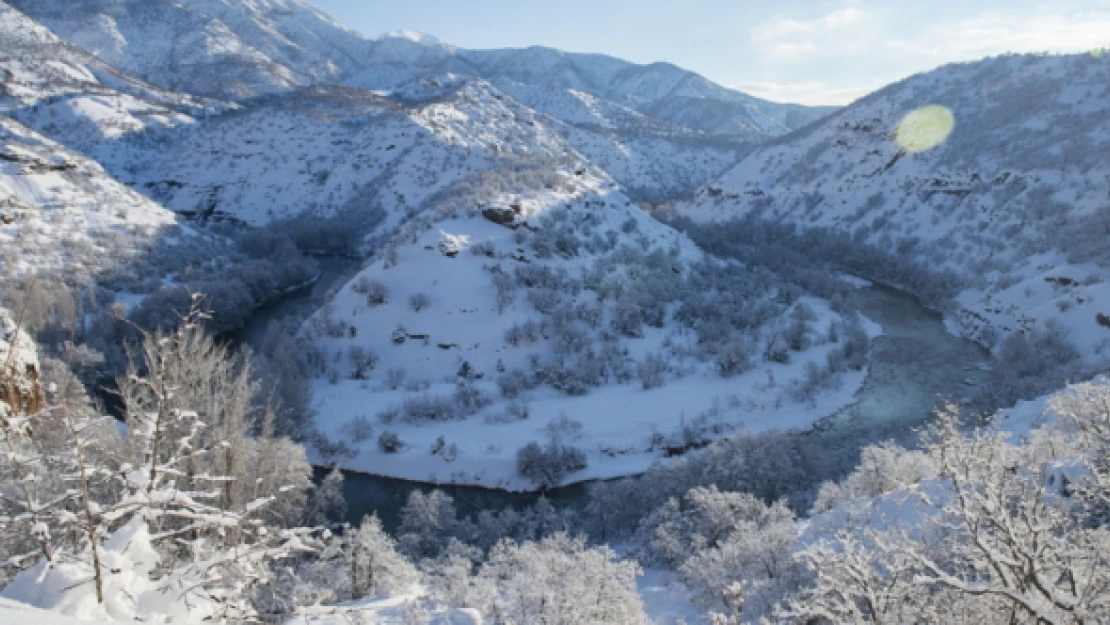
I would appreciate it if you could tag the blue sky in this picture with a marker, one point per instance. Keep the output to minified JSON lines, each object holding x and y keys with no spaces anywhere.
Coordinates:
{"x":809,"y":51}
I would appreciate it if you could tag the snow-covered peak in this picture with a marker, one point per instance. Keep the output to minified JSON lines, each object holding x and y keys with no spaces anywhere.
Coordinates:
{"x":75,"y":98}
{"x":222,"y":48}
{"x":417,"y":37}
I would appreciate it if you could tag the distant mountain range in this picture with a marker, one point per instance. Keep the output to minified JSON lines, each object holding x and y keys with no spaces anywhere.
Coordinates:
{"x":237,"y":49}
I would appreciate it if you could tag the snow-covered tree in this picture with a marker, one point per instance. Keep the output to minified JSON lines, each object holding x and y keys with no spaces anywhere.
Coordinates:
{"x":428,"y":522}
{"x":996,"y":539}
{"x":176,"y":521}
{"x":375,"y":566}
{"x":326,"y":502}
{"x":559,"y":580}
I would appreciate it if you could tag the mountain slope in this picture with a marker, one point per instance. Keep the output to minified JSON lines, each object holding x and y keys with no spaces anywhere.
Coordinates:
{"x":661,"y":90}
{"x":73,"y":97}
{"x":62,"y":217}
{"x":1014,"y":201}
{"x":325,"y":150}
{"x":228,"y":49}
{"x":537,"y":304}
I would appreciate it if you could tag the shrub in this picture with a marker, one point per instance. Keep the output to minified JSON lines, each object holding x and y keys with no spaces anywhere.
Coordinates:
{"x":428,"y":407}
{"x":735,"y":358}
{"x":376,"y":293}
{"x":395,"y":377}
{"x":418,"y":302}
{"x":469,"y":399}
{"x":390,"y":443}
{"x":363,"y":361}
{"x":547,"y":466}
{"x":513,"y":383}
{"x":358,"y":429}
{"x":653,"y":371}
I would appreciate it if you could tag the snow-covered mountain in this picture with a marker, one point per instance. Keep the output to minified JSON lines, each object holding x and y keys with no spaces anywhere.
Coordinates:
{"x":1014,"y":200}
{"x":61,"y":215}
{"x":328,"y":149}
{"x":236,"y":49}
{"x":73,"y":97}
{"x":659,"y":130}
{"x":660,"y":90}
{"x":227,"y":49}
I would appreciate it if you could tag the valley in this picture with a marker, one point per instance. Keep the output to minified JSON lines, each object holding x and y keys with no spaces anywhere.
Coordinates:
{"x":303,"y":326}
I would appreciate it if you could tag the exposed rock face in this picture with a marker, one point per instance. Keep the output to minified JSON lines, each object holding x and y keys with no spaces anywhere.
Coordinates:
{"x":19,"y":369}
{"x":502,"y":216}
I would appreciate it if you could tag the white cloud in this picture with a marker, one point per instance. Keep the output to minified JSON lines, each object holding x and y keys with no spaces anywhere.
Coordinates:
{"x":864,"y":45}
{"x":841,"y":31}
{"x":997,"y":32}
{"x":814,"y":93}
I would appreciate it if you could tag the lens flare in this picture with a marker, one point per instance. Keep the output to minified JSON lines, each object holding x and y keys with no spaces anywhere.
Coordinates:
{"x":925,"y":128}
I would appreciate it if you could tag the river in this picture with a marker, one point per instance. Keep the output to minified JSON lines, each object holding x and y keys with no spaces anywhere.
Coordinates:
{"x":914,"y":366}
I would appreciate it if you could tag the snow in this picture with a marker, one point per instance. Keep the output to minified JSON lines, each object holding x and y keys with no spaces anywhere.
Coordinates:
{"x":76,"y":98}
{"x":666,"y":600}
{"x":423,"y":39}
{"x":49,"y":191}
{"x":1011,"y":211}
{"x":855,"y":281}
{"x":128,"y":559}
{"x":19,"y":613}
{"x":462,"y":325}
{"x":214,"y":47}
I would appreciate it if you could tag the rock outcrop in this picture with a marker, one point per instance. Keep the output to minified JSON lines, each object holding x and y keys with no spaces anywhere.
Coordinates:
{"x":20,"y":387}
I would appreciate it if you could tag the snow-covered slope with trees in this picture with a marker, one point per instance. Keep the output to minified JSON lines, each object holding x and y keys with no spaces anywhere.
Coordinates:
{"x":523,"y":325}
{"x":661,"y":90}
{"x":62,"y":215}
{"x":328,"y":150}
{"x":71,"y":96}
{"x":1014,"y":202}
{"x":221,"y":48}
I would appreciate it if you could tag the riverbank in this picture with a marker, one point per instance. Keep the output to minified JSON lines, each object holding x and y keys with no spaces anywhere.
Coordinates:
{"x":915,"y":364}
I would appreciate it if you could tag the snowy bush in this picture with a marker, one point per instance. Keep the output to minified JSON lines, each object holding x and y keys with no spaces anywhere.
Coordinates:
{"x":514,"y":382}
{"x":531,"y":583}
{"x":361,"y":562}
{"x":653,"y":371}
{"x":375,"y":291}
{"x":418,"y":302}
{"x":548,"y":465}
{"x":395,"y":377}
{"x":967,"y":557}
{"x":358,"y":428}
{"x":469,"y":399}
{"x":428,"y":523}
{"x":735,"y":357}
{"x":390,"y":442}
{"x":363,"y":361}
{"x":1028,"y":363}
